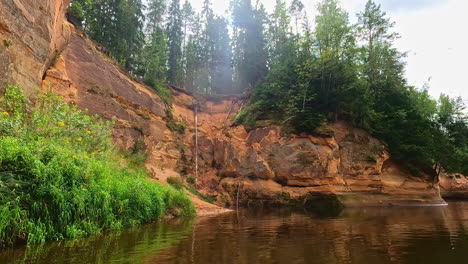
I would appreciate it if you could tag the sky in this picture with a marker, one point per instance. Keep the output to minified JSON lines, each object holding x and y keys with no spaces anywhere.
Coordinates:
{"x":433,"y":32}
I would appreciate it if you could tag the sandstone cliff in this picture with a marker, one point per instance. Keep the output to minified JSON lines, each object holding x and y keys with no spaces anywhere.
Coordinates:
{"x":32,"y":35}
{"x":262,"y":165}
{"x":454,"y":186}
{"x":265,"y":165}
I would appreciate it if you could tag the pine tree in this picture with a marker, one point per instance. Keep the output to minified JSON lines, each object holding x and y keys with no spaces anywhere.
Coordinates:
{"x":374,"y":29}
{"x":250,"y":57}
{"x":174,"y":31}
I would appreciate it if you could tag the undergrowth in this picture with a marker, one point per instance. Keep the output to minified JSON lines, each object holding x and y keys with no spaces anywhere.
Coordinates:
{"x":61,"y":177}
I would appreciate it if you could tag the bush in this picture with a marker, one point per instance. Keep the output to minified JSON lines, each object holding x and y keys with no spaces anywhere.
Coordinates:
{"x":206,"y":198}
{"x":324,"y":130}
{"x":137,"y":155}
{"x":190,"y":180}
{"x":372,"y":158}
{"x":175,"y":182}
{"x":61,"y":177}
{"x":176,"y":127}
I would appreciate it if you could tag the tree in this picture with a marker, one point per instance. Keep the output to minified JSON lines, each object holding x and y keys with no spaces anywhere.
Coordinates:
{"x":220,"y":57}
{"x":155,"y":15}
{"x":335,"y":42}
{"x":249,"y":44}
{"x":174,"y":31}
{"x":155,"y":59}
{"x":116,"y":25}
{"x":296,"y":9}
{"x":280,"y":41}
{"x":374,"y":29}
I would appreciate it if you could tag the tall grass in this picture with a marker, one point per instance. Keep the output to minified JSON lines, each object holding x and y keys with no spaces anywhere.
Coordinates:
{"x":61,"y":177}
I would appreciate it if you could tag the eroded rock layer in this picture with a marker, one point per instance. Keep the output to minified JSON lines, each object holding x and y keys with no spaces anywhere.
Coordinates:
{"x":264,"y":165}
{"x":32,"y":35}
{"x":234,"y":165}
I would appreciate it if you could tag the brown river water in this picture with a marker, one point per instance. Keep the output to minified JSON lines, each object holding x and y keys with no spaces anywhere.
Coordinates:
{"x":353,"y":235}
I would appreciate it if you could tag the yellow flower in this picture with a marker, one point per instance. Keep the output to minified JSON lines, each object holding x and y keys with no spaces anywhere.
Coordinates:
{"x":88,"y":132}
{"x":6,"y":113}
{"x":68,"y":142}
{"x":61,"y":124}
{"x":79,"y":139}
{"x":74,"y":156}
{"x":86,"y":157}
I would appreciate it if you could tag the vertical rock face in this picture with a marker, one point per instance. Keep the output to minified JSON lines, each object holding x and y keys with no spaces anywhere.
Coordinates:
{"x":234,"y":164}
{"x":454,"y":185}
{"x":264,"y":164}
{"x":32,"y":35}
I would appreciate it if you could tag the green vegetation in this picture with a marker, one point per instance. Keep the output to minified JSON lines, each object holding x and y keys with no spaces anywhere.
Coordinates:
{"x":179,"y":185}
{"x":175,"y":126}
{"x":206,"y":198}
{"x":60,"y":176}
{"x":137,"y":155}
{"x":175,"y":182}
{"x":298,"y":75}
{"x":7,"y":43}
{"x":190,"y":180}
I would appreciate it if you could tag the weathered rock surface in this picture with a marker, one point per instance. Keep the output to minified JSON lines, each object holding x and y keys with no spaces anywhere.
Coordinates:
{"x":262,"y":165}
{"x":32,"y":34}
{"x":235,"y":165}
{"x":454,"y":186}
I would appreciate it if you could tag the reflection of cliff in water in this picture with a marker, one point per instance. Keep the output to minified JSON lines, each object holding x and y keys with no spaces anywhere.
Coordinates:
{"x":357,"y":235}
{"x":354,"y":235}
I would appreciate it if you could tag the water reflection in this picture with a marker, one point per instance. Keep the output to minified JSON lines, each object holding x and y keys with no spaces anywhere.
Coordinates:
{"x":128,"y":246}
{"x":355,"y":235}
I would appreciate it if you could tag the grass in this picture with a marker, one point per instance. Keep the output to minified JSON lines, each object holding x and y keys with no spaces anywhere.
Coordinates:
{"x":61,"y":177}
{"x":206,"y":198}
{"x":176,"y":127}
{"x":179,"y":185}
{"x":175,"y":182}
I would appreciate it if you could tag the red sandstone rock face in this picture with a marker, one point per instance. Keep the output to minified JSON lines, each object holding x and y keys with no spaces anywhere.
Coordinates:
{"x":262,"y":164}
{"x":454,"y":185}
{"x":86,"y":77}
{"x":32,"y":34}
{"x":234,"y":164}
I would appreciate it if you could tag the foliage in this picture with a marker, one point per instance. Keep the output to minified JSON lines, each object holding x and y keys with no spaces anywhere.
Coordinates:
{"x":176,"y":127}
{"x":137,"y":155}
{"x":7,"y":43}
{"x":60,"y":176}
{"x":175,"y":182}
{"x":206,"y":198}
{"x":190,"y":180}
{"x":174,"y":31}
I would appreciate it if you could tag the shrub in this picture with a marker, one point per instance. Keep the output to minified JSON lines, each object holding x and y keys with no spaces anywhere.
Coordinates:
{"x":206,"y":198}
{"x":372,"y":158}
{"x":324,"y":130}
{"x":176,"y":127}
{"x":175,"y":182}
{"x":7,"y":43}
{"x":137,"y":155}
{"x":190,"y":180}
{"x":61,"y":177}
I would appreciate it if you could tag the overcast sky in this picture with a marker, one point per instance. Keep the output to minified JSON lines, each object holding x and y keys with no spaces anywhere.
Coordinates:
{"x":434,"y":32}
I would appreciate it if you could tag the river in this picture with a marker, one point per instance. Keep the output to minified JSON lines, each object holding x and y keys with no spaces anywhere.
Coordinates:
{"x":354,"y":235}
